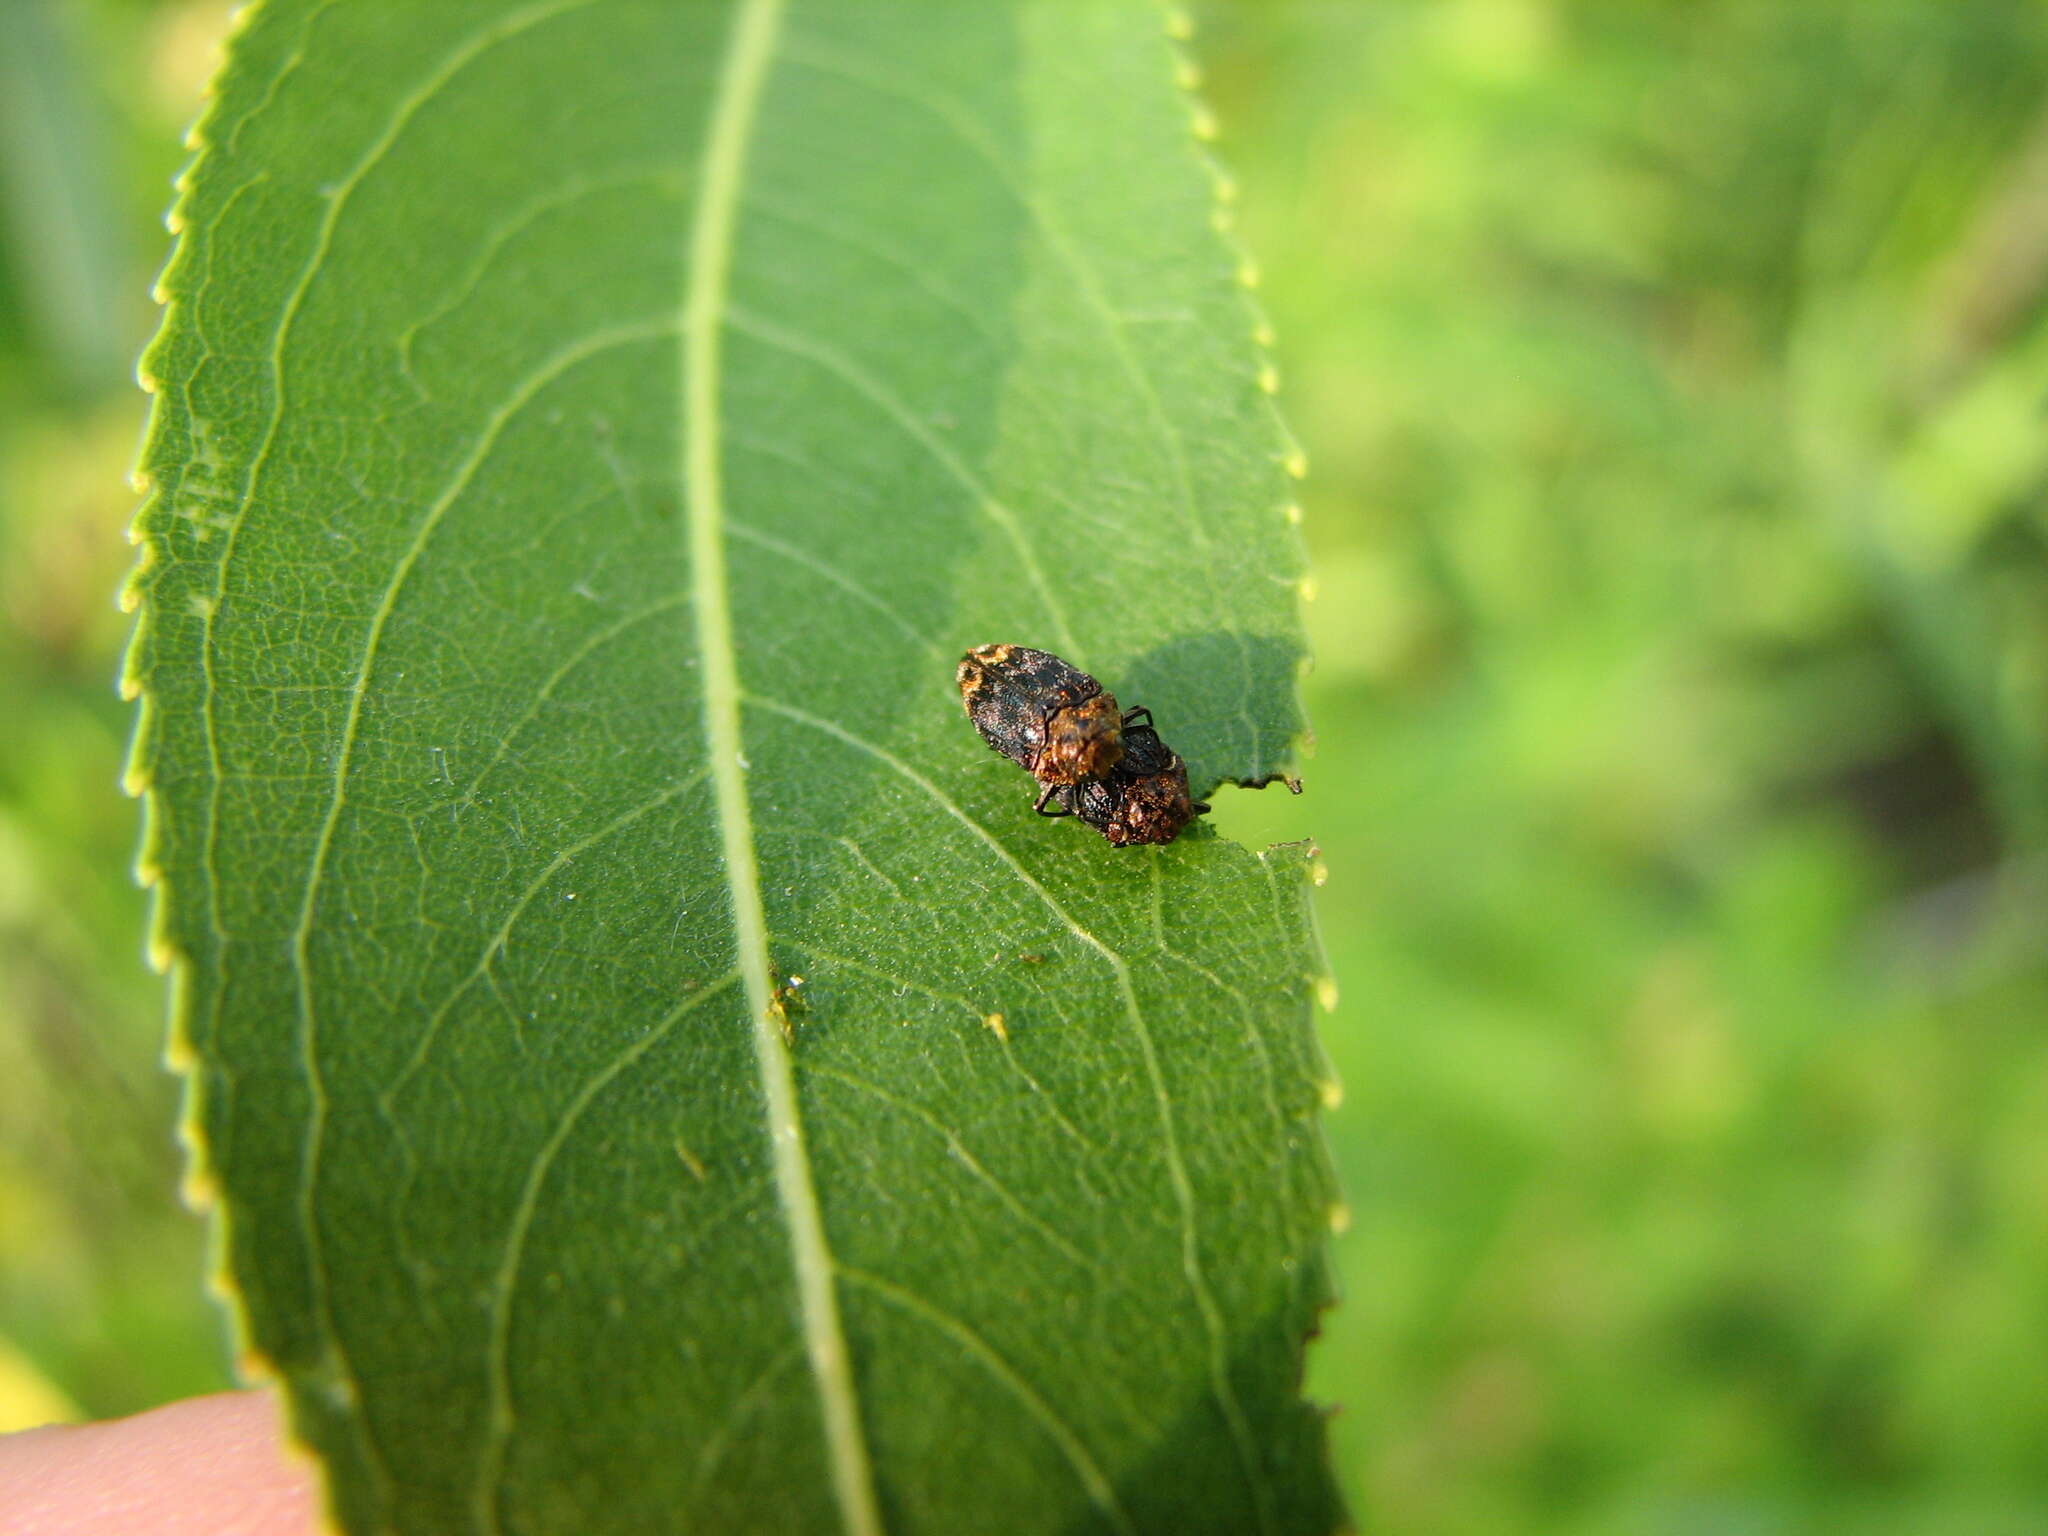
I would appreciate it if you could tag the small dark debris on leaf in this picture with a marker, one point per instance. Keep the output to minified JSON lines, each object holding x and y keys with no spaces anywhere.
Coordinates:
{"x":1107,"y":766}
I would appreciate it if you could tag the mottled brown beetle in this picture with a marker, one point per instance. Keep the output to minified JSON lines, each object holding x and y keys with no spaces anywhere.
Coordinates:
{"x":1048,"y":717}
{"x":1144,"y":799}
{"x":1107,"y":766}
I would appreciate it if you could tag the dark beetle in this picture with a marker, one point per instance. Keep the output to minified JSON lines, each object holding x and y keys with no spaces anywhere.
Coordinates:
{"x":1107,"y":766}
{"x":1144,"y":799}
{"x":1049,"y":718}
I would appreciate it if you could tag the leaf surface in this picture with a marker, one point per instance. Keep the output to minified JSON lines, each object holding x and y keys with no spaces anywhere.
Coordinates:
{"x":586,"y":436}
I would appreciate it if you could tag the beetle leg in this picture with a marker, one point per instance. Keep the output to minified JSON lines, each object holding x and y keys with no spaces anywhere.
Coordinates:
{"x":1046,"y":795}
{"x":1131,"y":715}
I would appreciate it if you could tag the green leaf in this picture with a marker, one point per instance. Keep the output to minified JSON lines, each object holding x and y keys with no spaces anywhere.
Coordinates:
{"x":586,"y":437}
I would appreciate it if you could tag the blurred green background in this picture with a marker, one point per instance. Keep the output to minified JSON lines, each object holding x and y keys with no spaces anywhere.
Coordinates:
{"x":1673,"y":379}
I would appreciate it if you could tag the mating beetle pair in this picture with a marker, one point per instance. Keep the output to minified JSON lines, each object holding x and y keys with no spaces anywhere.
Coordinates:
{"x":1091,"y":760}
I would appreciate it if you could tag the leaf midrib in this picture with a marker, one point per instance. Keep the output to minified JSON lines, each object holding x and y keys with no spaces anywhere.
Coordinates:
{"x":706,"y":303}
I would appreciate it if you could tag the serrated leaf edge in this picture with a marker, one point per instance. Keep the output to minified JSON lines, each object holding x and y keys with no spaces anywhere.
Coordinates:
{"x":199,"y":1186}
{"x":1203,"y":132}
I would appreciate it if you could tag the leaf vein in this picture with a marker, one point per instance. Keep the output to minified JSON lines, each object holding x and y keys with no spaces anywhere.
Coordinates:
{"x":316,"y":1090}
{"x":308,"y":1027}
{"x":499,"y":1422}
{"x":719,"y":1440}
{"x":838,"y":579}
{"x":966,"y":1159}
{"x":1086,"y":1469}
{"x":853,"y":849}
{"x":501,"y":937}
{"x":503,"y":234}
{"x":589,"y":646}
{"x":707,"y":311}
{"x":877,"y":394}
{"x":1267,"y":1078}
